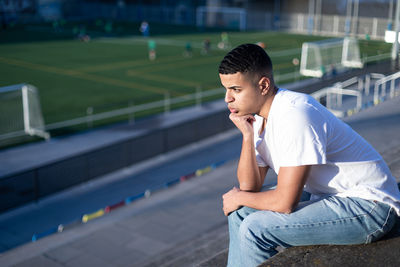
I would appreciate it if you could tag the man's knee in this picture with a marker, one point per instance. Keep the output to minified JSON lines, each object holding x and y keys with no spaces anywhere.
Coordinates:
{"x":250,"y":228}
{"x":239,"y":215}
{"x":260,"y":226}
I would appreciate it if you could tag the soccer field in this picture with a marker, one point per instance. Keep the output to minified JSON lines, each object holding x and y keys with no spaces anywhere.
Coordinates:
{"x":108,"y":73}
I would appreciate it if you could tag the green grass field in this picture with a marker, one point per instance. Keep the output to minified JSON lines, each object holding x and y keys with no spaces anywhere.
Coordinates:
{"x":113,"y":70}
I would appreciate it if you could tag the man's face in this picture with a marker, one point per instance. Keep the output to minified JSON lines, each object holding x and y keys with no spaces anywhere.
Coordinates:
{"x":242,"y":93}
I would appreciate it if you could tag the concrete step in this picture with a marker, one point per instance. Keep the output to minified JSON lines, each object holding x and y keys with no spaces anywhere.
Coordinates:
{"x":219,"y":259}
{"x":208,"y":247}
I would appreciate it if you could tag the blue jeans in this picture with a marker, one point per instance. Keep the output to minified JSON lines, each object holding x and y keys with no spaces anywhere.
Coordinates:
{"x":255,"y":234}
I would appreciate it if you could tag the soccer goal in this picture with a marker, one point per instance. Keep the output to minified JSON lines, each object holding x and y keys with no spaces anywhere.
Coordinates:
{"x":221,"y":17}
{"x":20,"y":112}
{"x":321,"y":57}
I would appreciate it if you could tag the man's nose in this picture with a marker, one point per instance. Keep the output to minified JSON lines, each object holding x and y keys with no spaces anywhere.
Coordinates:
{"x":228,"y":97}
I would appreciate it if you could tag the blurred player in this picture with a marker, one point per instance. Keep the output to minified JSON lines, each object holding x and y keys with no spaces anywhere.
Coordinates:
{"x":206,"y":47}
{"x":145,"y":29}
{"x":188,"y":50}
{"x":224,"y":44}
{"x":152,"y":49}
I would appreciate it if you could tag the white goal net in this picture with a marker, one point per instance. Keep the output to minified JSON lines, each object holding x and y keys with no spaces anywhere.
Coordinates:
{"x":20,"y":112}
{"x":321,"y":57}
{"x":221,"y":17}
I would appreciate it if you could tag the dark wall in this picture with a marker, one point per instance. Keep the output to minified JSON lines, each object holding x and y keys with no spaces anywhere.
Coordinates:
{"x":41,"y":181}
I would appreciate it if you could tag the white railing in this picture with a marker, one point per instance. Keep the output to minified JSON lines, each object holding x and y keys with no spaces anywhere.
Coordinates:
{"x":368,"y":78}
{"x":339,"y":92}
{"x":380,"y":88}
{"x":358,"y":87}
{"x":130,"y":111}
{"x":331,"y":25}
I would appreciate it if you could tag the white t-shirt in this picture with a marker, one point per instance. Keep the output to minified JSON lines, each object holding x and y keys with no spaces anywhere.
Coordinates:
{"x":300,"y":131}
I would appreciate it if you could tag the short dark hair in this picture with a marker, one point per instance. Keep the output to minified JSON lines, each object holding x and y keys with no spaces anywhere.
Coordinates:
{"x":247,"y":58}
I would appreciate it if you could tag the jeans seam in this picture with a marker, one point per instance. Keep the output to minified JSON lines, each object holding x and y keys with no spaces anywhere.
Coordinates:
{"x":320,"y":222}
{"x":373,"y":207}
{"x":369,"y":236}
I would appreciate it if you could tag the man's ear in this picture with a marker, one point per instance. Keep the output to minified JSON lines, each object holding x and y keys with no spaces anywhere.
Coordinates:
{"x":264,"y":85}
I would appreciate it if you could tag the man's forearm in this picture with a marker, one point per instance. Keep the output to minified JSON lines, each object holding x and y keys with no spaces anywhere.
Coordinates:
{"x":267,"y":200}
{"x":247,"y":172}
{"x":284,"y":198}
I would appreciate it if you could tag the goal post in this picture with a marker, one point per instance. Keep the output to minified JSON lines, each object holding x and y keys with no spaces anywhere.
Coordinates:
{"x":222,"y":17}
{"x":20,"y":112}
{"x":318,"y":58}
{"x":351,"y":53}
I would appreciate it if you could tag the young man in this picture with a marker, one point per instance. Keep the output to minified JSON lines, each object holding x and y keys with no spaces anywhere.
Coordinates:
{"x":354,"y":197}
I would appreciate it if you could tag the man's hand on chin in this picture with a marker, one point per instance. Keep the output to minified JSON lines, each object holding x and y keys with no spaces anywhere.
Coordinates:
{"x":243,"y":122}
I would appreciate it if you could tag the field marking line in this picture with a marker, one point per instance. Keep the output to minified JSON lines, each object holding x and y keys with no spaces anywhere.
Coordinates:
{"x":86,"y":76}
{"x":35,"y":66}
{"x":109,"y":66}
{"x":160,"y":78}
{"x":131,"y":85}
{"x":125,"y":64}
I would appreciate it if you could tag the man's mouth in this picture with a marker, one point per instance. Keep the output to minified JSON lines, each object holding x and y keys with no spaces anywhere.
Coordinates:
{"x":233,"y":110}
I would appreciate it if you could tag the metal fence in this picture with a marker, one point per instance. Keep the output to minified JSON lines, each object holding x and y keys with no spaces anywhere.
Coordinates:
{"x":334,"y":25}
{"x":130,"y":112}
{"x":384,"y":87}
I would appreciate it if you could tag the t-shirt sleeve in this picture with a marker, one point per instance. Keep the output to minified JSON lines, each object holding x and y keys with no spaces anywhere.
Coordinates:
{"x":302,"y":139}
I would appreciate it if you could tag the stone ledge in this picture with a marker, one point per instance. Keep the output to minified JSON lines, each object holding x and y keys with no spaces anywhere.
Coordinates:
{"x":384,"y":252}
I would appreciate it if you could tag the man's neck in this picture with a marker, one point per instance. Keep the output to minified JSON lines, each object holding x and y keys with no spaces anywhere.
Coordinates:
{"x":266,"y":107}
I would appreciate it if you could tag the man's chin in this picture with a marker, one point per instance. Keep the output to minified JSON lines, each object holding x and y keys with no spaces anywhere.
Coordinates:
{"x":241,"y":113}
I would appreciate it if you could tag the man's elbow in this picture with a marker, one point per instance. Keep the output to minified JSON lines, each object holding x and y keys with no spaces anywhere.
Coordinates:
{"x":249,"y":187}
{"x":286,"y":209}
